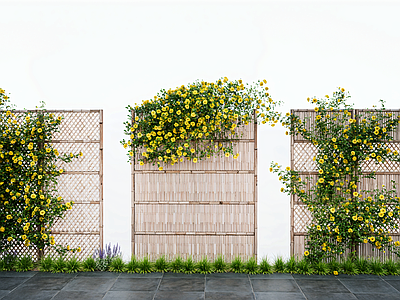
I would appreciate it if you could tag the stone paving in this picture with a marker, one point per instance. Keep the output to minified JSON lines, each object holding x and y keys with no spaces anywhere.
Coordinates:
{"x":153,"y":286}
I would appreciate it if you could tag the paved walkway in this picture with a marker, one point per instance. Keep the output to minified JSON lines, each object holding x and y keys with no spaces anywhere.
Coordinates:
{"x":106,"y":285}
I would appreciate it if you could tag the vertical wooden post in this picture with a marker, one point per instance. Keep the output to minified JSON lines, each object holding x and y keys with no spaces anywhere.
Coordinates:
{"x":101,"y":225}
{"x":40,"y":251}
{"x":255,"y":187}
{"x":133,"y":161}
{"x":291,"y":196}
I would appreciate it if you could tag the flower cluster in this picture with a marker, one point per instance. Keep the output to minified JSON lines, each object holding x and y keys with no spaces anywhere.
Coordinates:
{"x":344,"y":215}
{"x":28,"y":202}
{"x":196,"y":121}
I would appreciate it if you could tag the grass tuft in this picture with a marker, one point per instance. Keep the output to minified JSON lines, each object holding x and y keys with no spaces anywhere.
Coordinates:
{"x":176,"y":265}
{"x":279,"y":265}
{"x":265,"y":267}
{"x":251,"y":267}
{"x":117,"y":265}
{"x":89,"y":264}
{"x":73,"y":265}
{"x":161,"y":264}
{"x":145,"y":266}
{"x":237,"y":265}
{"x":220,"y":265}
{"x":291,"y":265}
{"x":204,"y":266}
{"x":59,"y":265}
{"x":23,"y":264}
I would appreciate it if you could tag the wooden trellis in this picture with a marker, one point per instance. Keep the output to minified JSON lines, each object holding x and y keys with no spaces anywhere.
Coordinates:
{"x":302,"y":153}
{"x":81,"y":181}
{"x":199,"y":209}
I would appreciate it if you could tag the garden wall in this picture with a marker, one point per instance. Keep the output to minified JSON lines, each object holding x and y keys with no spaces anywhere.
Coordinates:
{"x":199,"y":209}
{"x":81,"y":181}
{"x":302,"y":153}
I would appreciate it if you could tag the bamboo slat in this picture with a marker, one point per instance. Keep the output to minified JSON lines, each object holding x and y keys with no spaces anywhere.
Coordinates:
{"x":198,"y":209}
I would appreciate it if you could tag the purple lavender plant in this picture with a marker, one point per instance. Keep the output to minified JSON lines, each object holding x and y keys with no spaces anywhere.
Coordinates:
{"x":104,"y":257}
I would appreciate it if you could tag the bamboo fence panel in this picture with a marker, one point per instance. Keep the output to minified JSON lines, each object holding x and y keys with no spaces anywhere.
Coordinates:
{"x":198,"y":209}
{"x":81,"y":181}
{"x":302,"y":153}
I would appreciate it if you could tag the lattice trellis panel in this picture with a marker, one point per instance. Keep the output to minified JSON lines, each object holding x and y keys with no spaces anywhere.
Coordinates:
{"x":302,"y":153}
{"x":79,"y":187}
{"x":81,"y":182}
{"x":198,"y":209}
{"x":89,"y":161}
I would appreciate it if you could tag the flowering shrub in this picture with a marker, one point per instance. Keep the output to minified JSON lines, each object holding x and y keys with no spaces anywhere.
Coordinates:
{"x":195,"y":121}
{"x":28,"y":202}
{"x":343,"y":216}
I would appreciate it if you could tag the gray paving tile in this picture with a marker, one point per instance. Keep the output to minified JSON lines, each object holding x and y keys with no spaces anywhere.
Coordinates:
{"x":227,"y":285}
{"x":17,"y":274}
{"x":317,"y":277}
{"x":229,"y":296}
{"x":10,"y":283}
{"x":127,"y":295}
{"x":321,"y":286}
{"x":31,"y":294}
{"x":330,"y":296}
{"x":136,"y":284}
{"x":368,"y":286}
{"x":227,"y":275}
{"x":394,"y":283}
{"x":359,"y":277}
{"x":182,"y":275}
{"x":272,"y":276}
{"x":391,"y":277}
{"x":182,"y":284}
{"x":75,"y":295}
{"x":87,"y":284}
{"x":55,"y":275}
{"x":139,"y":275}
{"x":169,"y":295}
{"x":3,"y":293}
{"x":279,"y":296}
{"x":98,"y":274}
{"x":47,"y":282}
{"x":275,"y":285}
{"x":377,"y":296}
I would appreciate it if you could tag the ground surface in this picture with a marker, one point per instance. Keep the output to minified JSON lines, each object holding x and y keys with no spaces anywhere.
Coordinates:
{"x":106,"y":285}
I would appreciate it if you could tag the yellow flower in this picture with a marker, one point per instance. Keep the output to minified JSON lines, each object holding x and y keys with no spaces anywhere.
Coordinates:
{"x":321,"y":180}
{"x":335,"y":273}
{"x":381,"y":197}
{"x":9,"y":217}
{"x":61,"y":170}
{"x":350,"y":230}
{"x":9,"y":239}
{"x":397,"y":243}
{"x":2,"y":229}
{"x":365,"y":241}
{"x":141,"y":163}
{"x":332,"y":210}
{"x":316,"y":108}
{"x":195,"y":160}
{"x":42,"y":212}
{"x":227,"y":154}
{"x":287,"y":168}
{"x":355,"y":218}
{"x":282,"y":189}
{"x":372,"y":239}
{"x":306,"y":253}
{"x":320,"y":171}
{"x":160,"y":168}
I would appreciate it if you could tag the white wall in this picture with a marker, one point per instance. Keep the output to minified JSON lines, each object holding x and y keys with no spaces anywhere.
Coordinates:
{"x":108,"y":54}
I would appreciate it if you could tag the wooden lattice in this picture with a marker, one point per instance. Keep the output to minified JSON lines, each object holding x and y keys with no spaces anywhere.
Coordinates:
{"x":302,"y":153}
{"x":199,"y":209}
{"x":81,"y":182}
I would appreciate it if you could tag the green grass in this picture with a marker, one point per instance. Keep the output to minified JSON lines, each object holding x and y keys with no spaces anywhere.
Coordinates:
{"x":204,"y":266}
